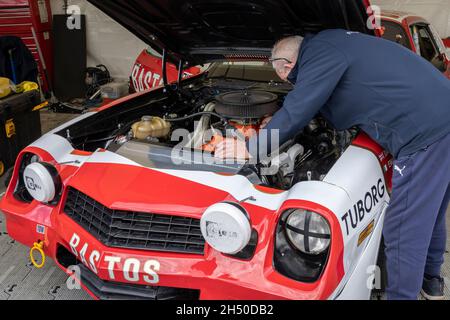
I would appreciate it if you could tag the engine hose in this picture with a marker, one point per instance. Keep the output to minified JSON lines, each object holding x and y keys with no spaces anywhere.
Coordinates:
{"x":196,"y":115}
{"x":196,"y":140}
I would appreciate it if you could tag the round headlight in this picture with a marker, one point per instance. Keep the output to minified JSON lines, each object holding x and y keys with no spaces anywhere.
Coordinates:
{"x":226,"y":227}
{"x":42,"y":181}
{"x":308,"y":231}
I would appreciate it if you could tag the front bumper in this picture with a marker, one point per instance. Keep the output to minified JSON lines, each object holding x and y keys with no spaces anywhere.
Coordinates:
{"x":211,"y":276}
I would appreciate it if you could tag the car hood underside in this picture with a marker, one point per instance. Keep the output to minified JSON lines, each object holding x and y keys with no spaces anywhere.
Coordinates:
{"x":198,"y":31}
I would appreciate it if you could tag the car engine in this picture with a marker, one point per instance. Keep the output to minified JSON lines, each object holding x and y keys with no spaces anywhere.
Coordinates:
{"x":151,"y":139}
{"x":179,"y":129}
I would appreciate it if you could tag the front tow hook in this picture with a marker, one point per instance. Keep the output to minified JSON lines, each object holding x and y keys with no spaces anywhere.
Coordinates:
{"x":38,"y":249}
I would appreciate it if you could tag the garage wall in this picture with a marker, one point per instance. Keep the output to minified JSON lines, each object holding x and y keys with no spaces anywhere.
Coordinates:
{"x":112,"y":45}
{"x":108,"y":42}
{"x":435,"y":11}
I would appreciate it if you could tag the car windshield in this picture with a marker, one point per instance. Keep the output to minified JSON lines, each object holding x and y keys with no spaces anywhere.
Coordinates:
{"x":252,"y":71}
{"x":255,"y":71}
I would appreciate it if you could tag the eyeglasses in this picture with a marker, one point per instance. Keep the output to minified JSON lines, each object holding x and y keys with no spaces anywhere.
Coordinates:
{"x":272,"y":60}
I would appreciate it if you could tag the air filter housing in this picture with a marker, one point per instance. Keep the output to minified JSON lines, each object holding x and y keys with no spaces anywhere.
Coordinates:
{"x":246,"y":104}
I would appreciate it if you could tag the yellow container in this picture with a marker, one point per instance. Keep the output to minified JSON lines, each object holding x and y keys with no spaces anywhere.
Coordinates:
{"x":153,"y":127}
{"x":5,"y":87}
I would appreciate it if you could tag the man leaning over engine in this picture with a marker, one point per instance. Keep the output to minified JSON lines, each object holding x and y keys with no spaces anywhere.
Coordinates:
{"x":402,"y":102}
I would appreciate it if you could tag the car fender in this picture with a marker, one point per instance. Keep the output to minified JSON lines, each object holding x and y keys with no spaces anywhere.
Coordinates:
{"x":359,"y":173}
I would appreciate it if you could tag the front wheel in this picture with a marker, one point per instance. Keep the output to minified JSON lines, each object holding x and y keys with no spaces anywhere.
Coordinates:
{"x":8,"y":178}
{"x":2,"y":168}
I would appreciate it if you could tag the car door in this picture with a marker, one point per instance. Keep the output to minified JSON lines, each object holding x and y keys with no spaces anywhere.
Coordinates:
{"x":428,"y":45}
{"x":395,"y":32}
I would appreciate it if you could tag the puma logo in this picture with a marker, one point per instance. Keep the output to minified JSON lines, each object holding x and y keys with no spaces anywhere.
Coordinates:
{"x":397,"y":168}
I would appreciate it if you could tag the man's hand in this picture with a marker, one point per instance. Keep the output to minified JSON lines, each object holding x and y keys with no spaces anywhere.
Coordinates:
{"x":265,"y":122}
{"x":232,"y":149}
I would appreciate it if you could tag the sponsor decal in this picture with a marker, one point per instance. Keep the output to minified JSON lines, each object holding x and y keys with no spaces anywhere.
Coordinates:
{"x":366,"y":233}
{"x":31,"y":184}
{"x":40,"y":229}
{"x":144,"y":79}
{"x":215,"y":230}
{"x":383,"y":156}
{"x":131,"y":269}
{"x":355,"y":216}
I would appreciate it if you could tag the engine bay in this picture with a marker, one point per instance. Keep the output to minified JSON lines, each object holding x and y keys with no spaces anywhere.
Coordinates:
{"x":241,"y":113}
{"x":182,"y":133}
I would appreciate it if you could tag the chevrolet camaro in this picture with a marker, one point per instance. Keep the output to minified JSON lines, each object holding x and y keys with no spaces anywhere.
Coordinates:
{"x":132,"y":196}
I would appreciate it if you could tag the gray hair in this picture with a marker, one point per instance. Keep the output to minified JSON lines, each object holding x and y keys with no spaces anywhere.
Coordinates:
{"x":288,"y":47}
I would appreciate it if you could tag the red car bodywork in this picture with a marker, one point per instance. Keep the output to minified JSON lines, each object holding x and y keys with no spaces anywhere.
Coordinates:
{"x":218,"y":276}
{"x":446,"y":42}
{"x":406,"y":21}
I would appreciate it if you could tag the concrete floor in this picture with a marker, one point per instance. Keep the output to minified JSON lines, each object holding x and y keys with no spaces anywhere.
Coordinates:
{"x":20,"y":281}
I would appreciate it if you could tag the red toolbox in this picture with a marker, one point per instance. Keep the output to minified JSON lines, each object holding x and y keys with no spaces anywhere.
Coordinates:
{"x":18,"y":17}
{"x":14,"y":3}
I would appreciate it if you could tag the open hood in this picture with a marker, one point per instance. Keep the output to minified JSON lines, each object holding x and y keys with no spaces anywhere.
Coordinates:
{"x":198,"y":31}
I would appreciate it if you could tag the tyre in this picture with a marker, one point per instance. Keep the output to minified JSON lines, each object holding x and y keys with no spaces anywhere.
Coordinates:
{"x":379,"y":293}
{"x":9,"y":174}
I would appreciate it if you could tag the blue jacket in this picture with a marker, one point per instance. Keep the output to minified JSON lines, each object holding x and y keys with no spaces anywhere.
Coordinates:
{"x":397,"y":97}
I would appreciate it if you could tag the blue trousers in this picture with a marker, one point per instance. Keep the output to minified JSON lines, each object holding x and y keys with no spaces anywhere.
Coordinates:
{"x":415,"y":230}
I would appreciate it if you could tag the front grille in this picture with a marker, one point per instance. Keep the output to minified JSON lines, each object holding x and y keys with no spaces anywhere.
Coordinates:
{"x":134,"y":230}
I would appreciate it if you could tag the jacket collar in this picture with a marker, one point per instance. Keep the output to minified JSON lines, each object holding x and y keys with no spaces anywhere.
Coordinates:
{"x":293,"y":75}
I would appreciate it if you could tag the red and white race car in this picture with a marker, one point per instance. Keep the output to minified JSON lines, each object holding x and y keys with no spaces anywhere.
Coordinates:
{"x":135,"y":201}
{"x":417,"y":34}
